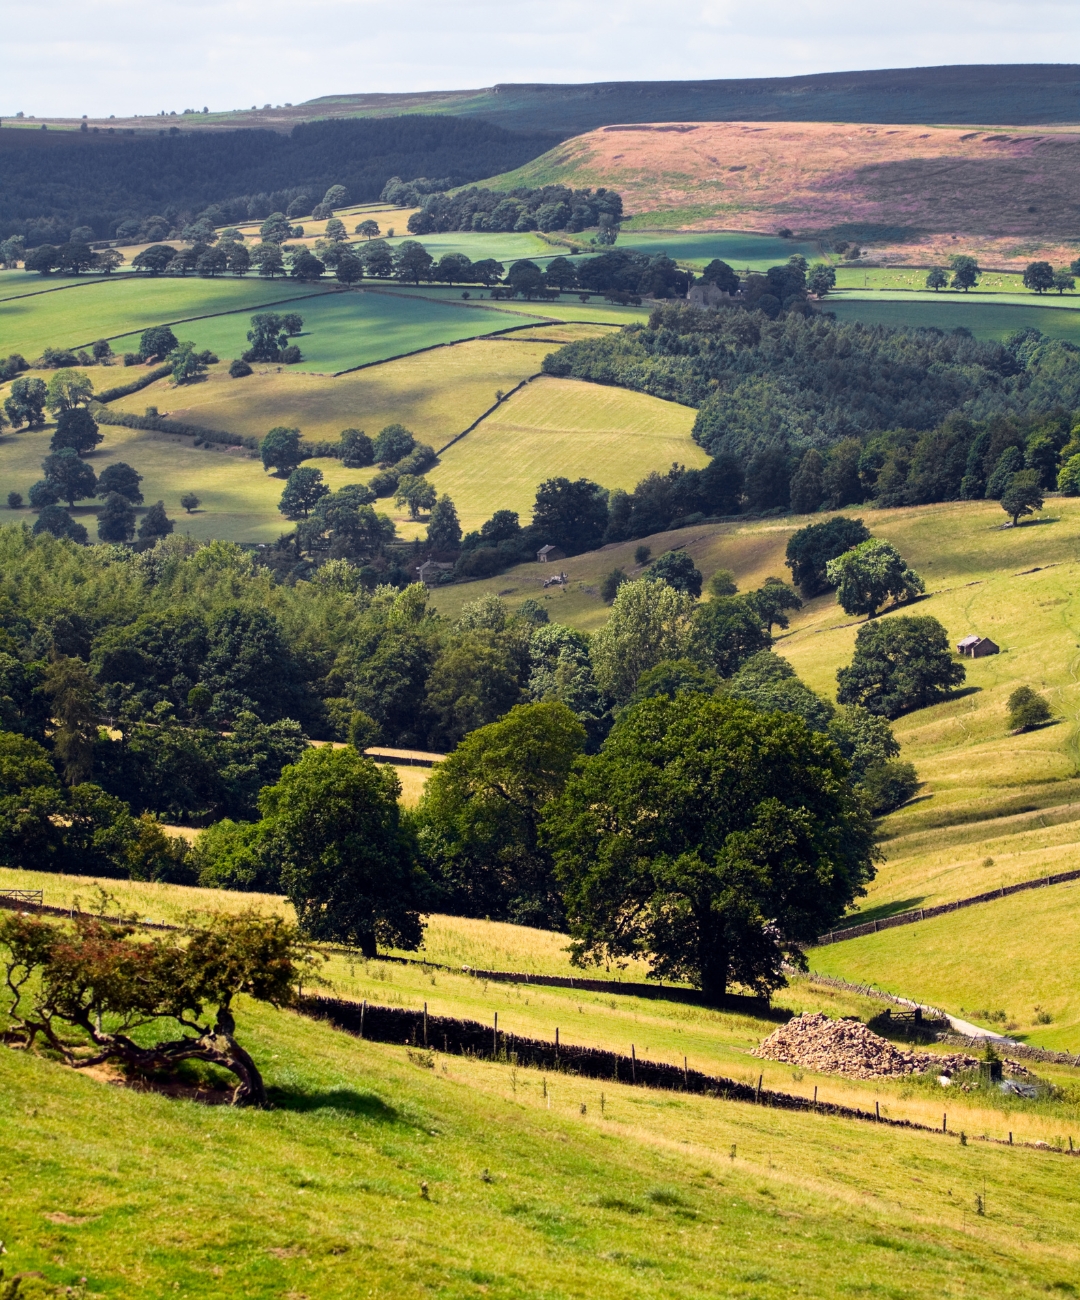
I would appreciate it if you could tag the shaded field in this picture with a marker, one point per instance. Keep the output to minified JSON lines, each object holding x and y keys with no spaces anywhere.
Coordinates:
{"x":909,"y":189}
{"x":739,"y":249}
{"x":566,"y":427}
{"x":94,"y":309}
{"x":356,"y":328}
{"x":986,"y":320}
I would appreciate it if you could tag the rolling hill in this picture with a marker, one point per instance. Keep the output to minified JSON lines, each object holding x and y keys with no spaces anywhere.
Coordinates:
{"x":913,"y":192}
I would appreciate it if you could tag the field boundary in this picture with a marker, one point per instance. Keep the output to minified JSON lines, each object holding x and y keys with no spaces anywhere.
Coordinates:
{"x":750,"y":1006}
{"x":915,"y":915}
{"x":490,"y":411}
{"x":419,"y":1030}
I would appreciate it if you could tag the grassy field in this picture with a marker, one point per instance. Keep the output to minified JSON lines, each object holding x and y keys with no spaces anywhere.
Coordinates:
{"x":343,"y":330}
{"x":557,"y":426}
{"x":1002,"y":965}
{"x":110,"y":308}
{"x":712,"y":1041}
{"x":739,"y":249}
{"x":532,"y":1187}
{"x":436,"y":394}
{"x":238,"y":499}
{"x":988,"y":320}
{"x":553,"y":427}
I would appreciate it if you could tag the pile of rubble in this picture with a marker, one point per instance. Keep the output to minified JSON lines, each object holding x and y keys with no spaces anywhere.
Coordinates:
{"x":848,"y":1047}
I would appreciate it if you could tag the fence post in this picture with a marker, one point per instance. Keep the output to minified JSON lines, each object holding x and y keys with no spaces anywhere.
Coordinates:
{"x":495,"y":1036}
{"x":556,"y":1047}
{"x":757,"y":1090}
{"x":633,"y":1064}
{"x":944,"y":1123}
{"x":686,"y":1078}
{"x":425,"y":1024}
{"x":363,"y":1009}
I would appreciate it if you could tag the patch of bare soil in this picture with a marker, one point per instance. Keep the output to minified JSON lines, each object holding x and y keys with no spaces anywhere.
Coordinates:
{"x":208,"y":1095}
{"x":911,"y":191}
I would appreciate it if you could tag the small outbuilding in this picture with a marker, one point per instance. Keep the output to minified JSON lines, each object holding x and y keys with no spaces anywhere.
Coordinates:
{"x":977,"y":647}
{"x":546,"y":553}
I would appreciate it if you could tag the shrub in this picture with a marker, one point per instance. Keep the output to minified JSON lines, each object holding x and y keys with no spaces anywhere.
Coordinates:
{"x":611,"y":584}
{"x":239,"y":369}
{"x":888,"y":785}
{"x":1027,"y":709}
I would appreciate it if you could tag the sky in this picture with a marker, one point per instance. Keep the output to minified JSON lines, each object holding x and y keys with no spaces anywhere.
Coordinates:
{"x":126,"y":57}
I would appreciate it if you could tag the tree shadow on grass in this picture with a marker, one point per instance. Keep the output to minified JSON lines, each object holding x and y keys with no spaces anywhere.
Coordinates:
{"x":883,"y":910}
{"x":362,"y":1105}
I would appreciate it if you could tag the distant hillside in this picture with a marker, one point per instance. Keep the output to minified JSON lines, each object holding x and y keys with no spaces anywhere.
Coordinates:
{"x":1010,"y":94}
{"x":913,"y":190}
{"x":54,"y":181}
{"x":1016,"y":94}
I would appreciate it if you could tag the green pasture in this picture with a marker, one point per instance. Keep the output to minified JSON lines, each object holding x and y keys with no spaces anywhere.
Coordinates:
{"x":380,"y":1175}
{"x":122,"y":305}
{"x":853,"y":276}
{"x":559,"y":426}
{"x":660,"y":1030}
{"x":355,"y":328}
{"x":992,"y":320}
{"x":739,"y":249}
{"x":1016,"y":955}
{"x":567,"y":308}
{"x":18,"y":284}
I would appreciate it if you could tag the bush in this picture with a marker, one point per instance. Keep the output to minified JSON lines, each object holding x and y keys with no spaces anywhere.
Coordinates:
{"x":291,"y":355}
{"x":1027,"y":709}
{"x":888,"y":785}
{"x":239,"y":369}
{"x":611,"y":584}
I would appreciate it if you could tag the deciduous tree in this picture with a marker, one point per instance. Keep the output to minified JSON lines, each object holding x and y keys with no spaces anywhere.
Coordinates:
{"x":900,"y":664}
{"x":710,"y":838}
{"x":347,"y":856}
{"x":870,"y":574}
{"x":1022,"y":495}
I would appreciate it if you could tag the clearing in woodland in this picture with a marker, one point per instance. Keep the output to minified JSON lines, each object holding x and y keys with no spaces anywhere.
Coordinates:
{"x":1010,"y":195}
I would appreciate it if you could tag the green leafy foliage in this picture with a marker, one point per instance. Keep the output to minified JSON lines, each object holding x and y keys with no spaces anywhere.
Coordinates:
{"x":1027,"y":709}
{"x":347,"y":858}
{"x":869,"y":574}
{"x":711,"y":839}
{"x":900,"y":664}
{"x":479,"y":817}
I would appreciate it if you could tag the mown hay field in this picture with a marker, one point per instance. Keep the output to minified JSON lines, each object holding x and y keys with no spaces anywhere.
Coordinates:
{"x":562,"y":427}
{"x":121,"y":305}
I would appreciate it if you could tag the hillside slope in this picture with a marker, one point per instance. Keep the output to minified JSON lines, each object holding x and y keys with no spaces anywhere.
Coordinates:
{"x":911,"y":191}
{"x":1017,"y":94}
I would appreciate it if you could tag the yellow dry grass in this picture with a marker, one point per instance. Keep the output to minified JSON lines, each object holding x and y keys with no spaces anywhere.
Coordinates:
{"x":563,"y":427}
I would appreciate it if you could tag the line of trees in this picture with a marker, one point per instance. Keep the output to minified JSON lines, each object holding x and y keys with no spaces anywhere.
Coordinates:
{"x":547,"y":208}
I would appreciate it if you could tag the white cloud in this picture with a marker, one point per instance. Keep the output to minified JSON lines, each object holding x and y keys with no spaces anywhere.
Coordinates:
{"x":119,"y":56}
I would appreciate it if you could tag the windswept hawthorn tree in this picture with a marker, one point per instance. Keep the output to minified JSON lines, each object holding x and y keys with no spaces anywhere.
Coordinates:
{"x":88,"y":988}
